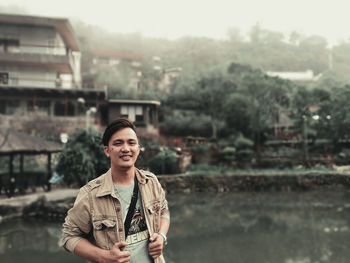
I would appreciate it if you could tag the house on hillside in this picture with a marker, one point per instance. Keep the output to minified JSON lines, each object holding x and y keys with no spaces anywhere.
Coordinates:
{"x":123,"y":69}
{"x":144,"y":113}
{"x":169,"y":75}
{"x":299,"y":76}
{"x":284,"y":121}
{"x":40,"y":78}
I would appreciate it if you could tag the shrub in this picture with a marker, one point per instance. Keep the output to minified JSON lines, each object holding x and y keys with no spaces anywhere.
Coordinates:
{"x":244,"y":151}
{"x":164,"y":162}
{"x":82,"y":158}
{"x":229,"y":154}
{"x":343,"y":157}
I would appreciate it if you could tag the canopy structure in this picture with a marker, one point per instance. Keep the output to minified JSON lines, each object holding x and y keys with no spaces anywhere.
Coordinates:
{"x":18,"y":143}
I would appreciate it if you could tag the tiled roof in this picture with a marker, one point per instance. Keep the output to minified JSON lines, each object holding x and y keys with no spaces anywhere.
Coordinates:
{"x":18,"y":142}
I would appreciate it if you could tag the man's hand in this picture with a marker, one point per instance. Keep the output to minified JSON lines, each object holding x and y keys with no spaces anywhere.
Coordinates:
{"x":116,"y":254}
{"x":156,"y":245}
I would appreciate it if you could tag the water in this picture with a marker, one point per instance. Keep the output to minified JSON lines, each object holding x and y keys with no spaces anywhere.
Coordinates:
{"x":275,"y":227}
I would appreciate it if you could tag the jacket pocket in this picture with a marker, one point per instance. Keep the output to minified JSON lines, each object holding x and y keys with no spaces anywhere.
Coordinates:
{"x":104,"y":224}
{"x":104,"y":232}
{"x":153,"y":207}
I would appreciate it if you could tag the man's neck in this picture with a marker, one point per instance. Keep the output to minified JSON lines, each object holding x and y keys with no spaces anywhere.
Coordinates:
{"x":123,"y":177}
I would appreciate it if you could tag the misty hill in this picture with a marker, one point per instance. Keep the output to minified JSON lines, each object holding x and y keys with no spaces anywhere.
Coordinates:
{"x":263,"y":49}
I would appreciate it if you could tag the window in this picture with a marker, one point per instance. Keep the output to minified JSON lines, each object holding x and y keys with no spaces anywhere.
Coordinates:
{"x":12,"y":107}
{"x":41,"y":107}
{"x":64,"y":109}
{"x":4,"y":78}
{"x":132,"y":112}
{"x":59,"y":109}
{"x":2,"y":106}
{"x":9,"y":107}
{"x":9,"y":45}
{"x":70,"y":109}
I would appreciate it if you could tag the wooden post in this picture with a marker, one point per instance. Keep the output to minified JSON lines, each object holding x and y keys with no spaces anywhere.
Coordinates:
{"x":22,"y":179}
{"x":48,"y":171}
{"x":21,"y":163}
{"x":12,"y":181}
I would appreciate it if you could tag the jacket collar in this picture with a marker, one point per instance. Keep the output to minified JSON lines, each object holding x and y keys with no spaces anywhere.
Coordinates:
{"x":106,"y":183}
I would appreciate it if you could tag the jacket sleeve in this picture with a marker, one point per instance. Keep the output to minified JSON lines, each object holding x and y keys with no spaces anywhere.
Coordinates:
{"x":77,"y":224}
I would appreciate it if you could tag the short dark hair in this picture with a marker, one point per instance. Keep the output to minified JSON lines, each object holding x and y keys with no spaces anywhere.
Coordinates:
{"x":114,"y":126}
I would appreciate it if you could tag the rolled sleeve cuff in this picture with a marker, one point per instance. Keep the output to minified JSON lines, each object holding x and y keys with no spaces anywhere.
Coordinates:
{"x":72,"y":243}
{"x":165,"y":216}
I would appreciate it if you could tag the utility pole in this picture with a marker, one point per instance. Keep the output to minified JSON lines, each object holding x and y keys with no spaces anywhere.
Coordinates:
{"x":305,"y":141}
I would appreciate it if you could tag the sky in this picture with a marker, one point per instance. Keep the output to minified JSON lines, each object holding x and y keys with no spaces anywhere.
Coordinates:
{"x":210,"y":18}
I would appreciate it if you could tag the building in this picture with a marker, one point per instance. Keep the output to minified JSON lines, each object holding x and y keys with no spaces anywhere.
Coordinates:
{"x":169,"y":75}
{"x":40,"y":78}
{"x":122,"y":69}
{"x":38,"y":52}
{"x":144,"y":113}
{"x":299,"y":76}
{"x":41,"y":89}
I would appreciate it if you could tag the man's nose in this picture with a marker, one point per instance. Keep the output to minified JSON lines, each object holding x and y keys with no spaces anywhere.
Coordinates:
{"x":125,"y":148}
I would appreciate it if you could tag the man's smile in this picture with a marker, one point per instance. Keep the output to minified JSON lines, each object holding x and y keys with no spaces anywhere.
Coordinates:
{"x":126,"y":157}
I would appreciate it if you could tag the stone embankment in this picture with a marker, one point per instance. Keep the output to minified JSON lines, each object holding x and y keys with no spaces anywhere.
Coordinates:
{"x":227,"y":183}
{"x":54,"y":204}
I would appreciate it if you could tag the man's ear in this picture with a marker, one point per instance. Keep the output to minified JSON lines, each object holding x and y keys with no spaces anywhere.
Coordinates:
{"x":106,"y":150}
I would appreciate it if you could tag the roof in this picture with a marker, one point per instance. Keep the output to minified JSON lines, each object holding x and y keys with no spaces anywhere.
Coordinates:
{"x":154,"y":102}
{"x":96,"y":93}
{"x":19,"y":142}
{"x":62,"y":26}
{"x":109,"y":54}
{"x":307,"y":75}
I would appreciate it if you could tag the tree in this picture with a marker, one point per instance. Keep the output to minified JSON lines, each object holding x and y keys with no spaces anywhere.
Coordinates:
{"x":82,"y":158}
{"x":206,"y":95}
{"x":339,"y":113}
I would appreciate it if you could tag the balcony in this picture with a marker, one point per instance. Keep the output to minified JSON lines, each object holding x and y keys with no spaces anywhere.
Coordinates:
{"x":54,"y":57}
{"x":63,"y":64}
{"x":37,"y":83}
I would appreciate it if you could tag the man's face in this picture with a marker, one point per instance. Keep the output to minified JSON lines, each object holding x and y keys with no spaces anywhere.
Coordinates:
{"x":123,"y":148}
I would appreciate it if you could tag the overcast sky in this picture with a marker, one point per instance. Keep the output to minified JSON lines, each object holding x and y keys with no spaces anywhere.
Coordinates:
{"x":175,"y":18}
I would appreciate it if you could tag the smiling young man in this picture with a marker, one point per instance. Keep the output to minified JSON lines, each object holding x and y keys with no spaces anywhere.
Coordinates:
{"x":95,"y":227}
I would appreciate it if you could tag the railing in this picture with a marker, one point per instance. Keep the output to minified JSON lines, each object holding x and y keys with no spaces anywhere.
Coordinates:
{"x":40,"y":54}
{"x":37,"y":82}
{"x":37,"y":49}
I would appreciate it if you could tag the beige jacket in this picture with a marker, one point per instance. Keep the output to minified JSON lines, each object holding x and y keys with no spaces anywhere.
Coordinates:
{"x":97,"y":215}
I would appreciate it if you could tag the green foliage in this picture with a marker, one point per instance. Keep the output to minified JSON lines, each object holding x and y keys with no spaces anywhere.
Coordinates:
{"x":229,"y":154}
{"x":185,"y":123}
{"x":164,"y":162}
{"x":222,"y":89}
{"x":343,"y":157}
{"x":206,"y":169}
{"x":243,"y":143}
{"x":244,"y":149}
{"x":200,"y":148}
{"x":82,"y":158}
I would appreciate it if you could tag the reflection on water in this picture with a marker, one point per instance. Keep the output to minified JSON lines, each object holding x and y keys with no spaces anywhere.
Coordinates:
{"x":276,"y":227}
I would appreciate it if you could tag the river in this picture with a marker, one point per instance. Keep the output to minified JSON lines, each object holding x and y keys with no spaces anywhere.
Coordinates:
{"x":244,"y":227}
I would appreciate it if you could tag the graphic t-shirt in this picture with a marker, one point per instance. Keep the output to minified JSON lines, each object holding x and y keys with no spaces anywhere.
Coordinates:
{"x":138,"y":235}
